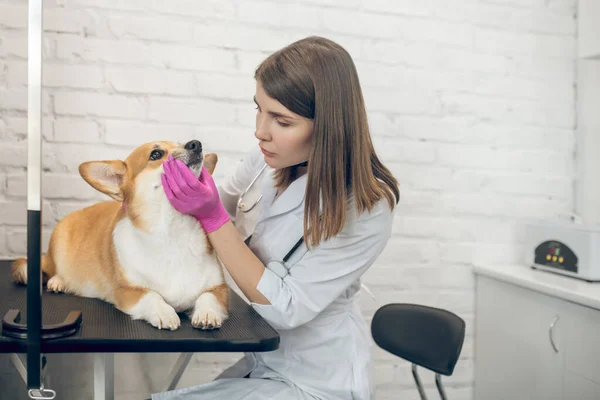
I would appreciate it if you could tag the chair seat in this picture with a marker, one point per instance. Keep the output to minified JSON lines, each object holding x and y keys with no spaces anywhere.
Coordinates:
{"x":427,"y":336}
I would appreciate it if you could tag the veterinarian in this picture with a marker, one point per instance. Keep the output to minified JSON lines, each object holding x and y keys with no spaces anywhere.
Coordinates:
{"x":322,"y":183}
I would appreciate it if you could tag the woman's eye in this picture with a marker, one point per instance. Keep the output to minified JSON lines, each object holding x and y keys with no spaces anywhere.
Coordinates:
{"x":156,"y":155}
{"x":282,"y":124}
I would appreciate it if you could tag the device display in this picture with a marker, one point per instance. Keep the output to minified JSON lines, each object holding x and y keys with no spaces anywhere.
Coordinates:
{"x":555,"y":254}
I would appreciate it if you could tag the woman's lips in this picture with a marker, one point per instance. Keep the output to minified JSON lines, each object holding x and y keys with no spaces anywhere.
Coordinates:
{"x":267,"y":153}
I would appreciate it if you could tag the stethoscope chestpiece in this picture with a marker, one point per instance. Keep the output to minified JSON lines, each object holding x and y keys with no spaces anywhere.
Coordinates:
{"x":244,"y":207}
{"x":241,"y":204}
{"x":278,"y":268}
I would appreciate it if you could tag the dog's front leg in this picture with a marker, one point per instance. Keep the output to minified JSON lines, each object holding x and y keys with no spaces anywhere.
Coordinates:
{"x":146,"y":304}
{"x":211,"y":308}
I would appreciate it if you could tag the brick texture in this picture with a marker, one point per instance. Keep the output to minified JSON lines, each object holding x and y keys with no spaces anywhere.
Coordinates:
{"x":471,"y":104}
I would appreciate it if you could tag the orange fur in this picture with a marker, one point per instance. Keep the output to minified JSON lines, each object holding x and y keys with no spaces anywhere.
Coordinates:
{"x":82,"y":247}
{"x":221,"y":292}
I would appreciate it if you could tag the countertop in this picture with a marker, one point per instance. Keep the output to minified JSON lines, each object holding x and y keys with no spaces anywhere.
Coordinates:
{"x":560,"y":286}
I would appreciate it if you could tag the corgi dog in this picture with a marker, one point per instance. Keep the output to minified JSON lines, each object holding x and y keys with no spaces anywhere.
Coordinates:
{"x":138,"y":252}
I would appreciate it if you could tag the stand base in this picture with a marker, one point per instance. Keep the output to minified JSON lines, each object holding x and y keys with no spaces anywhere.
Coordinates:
{"x":35,"y":394}
{"x":12,"y":328}
{"x":41,"y":394}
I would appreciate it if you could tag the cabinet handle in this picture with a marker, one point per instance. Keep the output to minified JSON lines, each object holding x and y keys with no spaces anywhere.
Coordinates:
{"x":551,"y":334}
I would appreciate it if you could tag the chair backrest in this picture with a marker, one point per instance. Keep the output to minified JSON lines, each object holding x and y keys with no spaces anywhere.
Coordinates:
{"x":429,"y":337}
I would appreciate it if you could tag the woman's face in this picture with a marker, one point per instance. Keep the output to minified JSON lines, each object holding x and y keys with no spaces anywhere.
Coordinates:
{"x":285,"y":138}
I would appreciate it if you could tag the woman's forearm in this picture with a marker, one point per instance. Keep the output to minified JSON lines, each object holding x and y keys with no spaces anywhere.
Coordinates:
{"x":243,"y":266}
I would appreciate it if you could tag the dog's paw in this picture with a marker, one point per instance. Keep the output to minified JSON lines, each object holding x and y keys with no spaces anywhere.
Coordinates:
{"x":208,"y":313}
{"x":206,"y":319}
{"x":56,"y":284}
{"x":165,"y":317}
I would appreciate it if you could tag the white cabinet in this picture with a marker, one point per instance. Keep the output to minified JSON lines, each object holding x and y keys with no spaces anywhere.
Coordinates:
{"x":582,"y":355}
{"x":578,"y":388}
{"x":533,"y":344}
{"x":514,"y":357}
{"x":588,"y":29}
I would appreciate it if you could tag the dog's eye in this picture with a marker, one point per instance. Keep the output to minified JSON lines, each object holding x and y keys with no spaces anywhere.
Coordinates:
{"x":156,"y":155}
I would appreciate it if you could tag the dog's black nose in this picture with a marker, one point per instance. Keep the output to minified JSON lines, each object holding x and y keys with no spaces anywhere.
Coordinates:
{"x":194,"y":145}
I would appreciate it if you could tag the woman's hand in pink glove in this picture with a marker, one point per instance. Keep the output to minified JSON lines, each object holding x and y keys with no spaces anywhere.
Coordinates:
{"x":193,"y":196}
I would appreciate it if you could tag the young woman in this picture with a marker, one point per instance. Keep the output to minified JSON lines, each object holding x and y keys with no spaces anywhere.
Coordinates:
{"x":313,"y":176}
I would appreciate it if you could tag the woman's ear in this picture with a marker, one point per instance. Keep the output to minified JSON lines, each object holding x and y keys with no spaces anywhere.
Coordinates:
{"x":105,"y":176}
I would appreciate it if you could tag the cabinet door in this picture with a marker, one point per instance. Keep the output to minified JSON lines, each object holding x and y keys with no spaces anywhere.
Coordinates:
{"x":580,"y":388}
{"x":514,"y":355}
{"x":582,"y":356}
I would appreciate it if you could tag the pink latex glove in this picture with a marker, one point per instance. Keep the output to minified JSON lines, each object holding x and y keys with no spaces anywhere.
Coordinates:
{"x":193,"y":196}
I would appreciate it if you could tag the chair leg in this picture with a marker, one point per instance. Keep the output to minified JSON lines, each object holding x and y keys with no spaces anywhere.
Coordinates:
{"x":418,"y":382}
{"x":438,"y":383}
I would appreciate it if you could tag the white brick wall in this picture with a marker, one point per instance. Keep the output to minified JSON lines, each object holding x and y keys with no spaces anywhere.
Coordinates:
{"x":471,"y":104}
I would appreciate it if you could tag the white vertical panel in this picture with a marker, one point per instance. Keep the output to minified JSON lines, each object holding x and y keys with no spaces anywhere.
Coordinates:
{"x":587,"y":182}
{"x":34,"y":107}
{"x":588,"y":29}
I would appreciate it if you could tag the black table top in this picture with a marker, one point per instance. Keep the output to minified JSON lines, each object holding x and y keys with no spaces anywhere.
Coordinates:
{"x":105,"y":329}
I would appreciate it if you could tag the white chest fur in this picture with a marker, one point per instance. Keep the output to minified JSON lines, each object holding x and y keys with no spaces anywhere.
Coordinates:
{"x":171,"y":258}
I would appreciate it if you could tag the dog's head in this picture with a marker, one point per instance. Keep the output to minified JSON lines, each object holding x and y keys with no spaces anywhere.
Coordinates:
{"x":136,"y":181}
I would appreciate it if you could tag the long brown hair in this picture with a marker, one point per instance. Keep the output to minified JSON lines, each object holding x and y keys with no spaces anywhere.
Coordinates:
{"x":317,"y":79}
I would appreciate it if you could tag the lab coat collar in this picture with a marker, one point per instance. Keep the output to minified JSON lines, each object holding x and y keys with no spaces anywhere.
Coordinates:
{"x":291,"y":198}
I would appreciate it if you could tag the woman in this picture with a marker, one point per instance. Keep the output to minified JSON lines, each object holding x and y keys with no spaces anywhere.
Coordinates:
{"x":322,"y":182}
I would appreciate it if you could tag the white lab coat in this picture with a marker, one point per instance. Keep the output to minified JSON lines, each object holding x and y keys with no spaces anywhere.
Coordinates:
{"x":325,"y":346}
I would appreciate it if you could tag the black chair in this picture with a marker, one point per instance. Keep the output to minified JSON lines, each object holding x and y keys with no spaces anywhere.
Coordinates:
{"x":425,"y":336}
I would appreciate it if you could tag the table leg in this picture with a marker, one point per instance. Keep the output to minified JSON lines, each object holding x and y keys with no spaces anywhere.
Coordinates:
{"x":177,"y":371}
{"x":19,"y":366}
{"x":104,"y":376}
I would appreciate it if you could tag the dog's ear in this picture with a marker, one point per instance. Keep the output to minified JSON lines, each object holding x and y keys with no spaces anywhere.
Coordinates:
{"x":105,"y":176}
{"x":210,"y":162}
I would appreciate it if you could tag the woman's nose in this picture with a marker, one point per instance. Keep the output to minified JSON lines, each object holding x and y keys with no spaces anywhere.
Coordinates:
{"x":262,"y":131}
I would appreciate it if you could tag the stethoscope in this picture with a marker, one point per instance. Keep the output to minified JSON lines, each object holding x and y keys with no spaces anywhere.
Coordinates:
{"x":279,"y":268}
{"x":243,"y":206}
